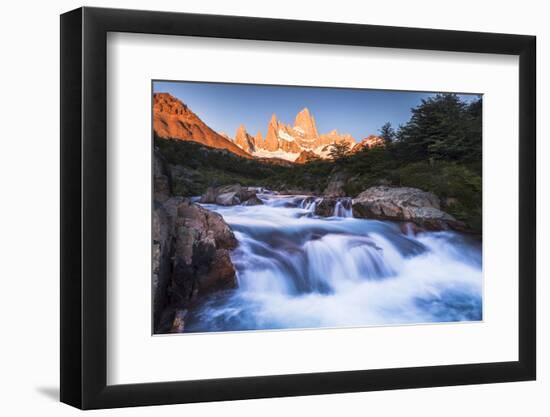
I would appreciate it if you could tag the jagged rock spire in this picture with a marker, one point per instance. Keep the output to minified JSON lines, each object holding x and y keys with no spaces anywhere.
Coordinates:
{"x":306,"y":122}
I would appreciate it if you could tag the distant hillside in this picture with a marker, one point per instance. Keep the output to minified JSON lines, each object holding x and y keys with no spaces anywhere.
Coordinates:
{"x":172,"y":119}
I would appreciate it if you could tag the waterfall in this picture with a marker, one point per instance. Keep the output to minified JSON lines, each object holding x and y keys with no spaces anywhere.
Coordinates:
{"x":343,"y":208}
{"x":310,"y":203}
{"x":297,"y":270}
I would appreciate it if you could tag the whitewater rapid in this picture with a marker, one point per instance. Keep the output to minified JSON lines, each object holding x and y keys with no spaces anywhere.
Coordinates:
{"x":297,"y":270}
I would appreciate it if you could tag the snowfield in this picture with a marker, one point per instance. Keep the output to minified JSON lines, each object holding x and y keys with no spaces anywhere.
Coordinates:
{"x":289,"y":156}
{"x":285,"y":136}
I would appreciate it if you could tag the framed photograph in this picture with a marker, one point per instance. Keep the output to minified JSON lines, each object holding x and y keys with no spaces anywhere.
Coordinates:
{"x":256,"y":208}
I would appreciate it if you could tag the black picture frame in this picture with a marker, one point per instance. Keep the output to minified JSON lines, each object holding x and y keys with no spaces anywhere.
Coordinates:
{"x":84,"y":207}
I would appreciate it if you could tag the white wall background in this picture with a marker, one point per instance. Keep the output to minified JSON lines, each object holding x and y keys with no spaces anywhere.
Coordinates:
{"x":29,"y":239}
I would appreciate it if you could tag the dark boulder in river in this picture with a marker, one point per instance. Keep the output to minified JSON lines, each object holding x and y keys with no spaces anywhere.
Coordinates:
{"x":404,"y":204}
{"x":325,"y":207}
{"x":333,"y":206}
{"x":253,"y":201}
{"x":230,"y":195}
{"x":191,"y":248}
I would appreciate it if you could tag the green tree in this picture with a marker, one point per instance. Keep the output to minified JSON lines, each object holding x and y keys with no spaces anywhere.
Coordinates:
{"x":339,"y":150}
{"x":473,"y":140}
{"x":442,"y":128}
{"x":387,"y":132}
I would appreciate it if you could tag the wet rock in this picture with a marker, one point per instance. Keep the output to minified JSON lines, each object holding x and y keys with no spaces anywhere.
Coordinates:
{"x":161,"y":264}
{"x":178,"y":324}
{"x":227,"y":199}
{"x":221,"y":275}
{"x":253,"y":201}
{"x":230,"y":195}
{"x":209,"y":197}
{"x":333,"y":206}
{"x":283,"y":189}
{"x":410,"y":228}
{"x":325,"y":207}
{"x":404,"y":204}
{"x":191,"y":248}
{"x":306,"y":202}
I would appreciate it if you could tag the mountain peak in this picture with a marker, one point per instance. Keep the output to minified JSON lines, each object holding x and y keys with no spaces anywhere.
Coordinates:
{"x":305,"y":122}
{"x":244,"y":140}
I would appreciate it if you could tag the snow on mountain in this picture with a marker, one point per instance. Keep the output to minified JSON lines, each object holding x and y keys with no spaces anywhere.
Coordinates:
{"x":285,"y":136}
{"x":289,"y":156}
{"x":173,"y":119}
{"x":323,"y":151}
{"x":287,"y":141}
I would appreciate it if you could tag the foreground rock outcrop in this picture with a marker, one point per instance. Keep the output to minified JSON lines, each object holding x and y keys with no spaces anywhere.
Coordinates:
{"x":231,"y":195}
{"x":404,"y":204}
{"x":191,"y":247}
{"x":191,"y":252}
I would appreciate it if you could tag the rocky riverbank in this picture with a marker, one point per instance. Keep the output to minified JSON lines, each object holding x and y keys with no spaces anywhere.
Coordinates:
{"x":405,"y":204}
{"x":298,"y":270}
{"x":402,"y":204}
{"x":191,"y":247}
{"x":421,"y":209}
{"x":230,"y":195}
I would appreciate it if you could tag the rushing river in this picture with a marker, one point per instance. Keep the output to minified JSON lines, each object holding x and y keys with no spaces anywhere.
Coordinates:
{"x":296,"y":270}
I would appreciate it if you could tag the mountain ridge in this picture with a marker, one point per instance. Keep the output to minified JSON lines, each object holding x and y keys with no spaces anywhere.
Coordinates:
{"x":172,"y":119}
{"x":300,"y":142}
{"x":300,"y":137}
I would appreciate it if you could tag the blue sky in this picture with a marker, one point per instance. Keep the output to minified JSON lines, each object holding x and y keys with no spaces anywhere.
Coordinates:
{"x":356,"y":111}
